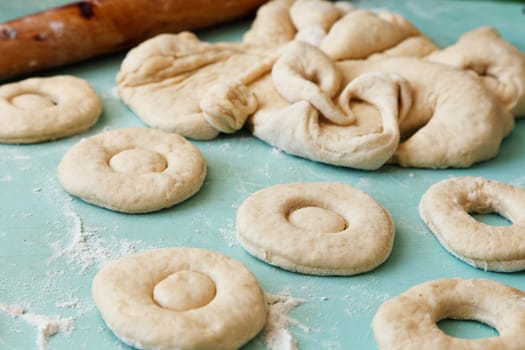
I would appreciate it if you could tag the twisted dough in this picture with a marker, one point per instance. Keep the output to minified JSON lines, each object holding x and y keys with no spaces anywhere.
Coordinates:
{"x":454,"y":121}
{"x":180,"y":298}
{"x":41,"y":109}
{"x":408,"y":322}
{"x":316,"y":228}
{"x":445,"y":208}
{"x":316,"y":128}
{"x":135,"y":170}
{"x":500,"y":66}
{"x":179,"y":84}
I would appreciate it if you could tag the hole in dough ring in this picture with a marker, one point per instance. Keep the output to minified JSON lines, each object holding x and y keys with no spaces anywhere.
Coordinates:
{"x":267,"y":229}
{"x":41,"y":109}
{"x":135,"y":170}
{"x":408,"y":321}
{"x":123,"y":294}
{"x":445,"y":208}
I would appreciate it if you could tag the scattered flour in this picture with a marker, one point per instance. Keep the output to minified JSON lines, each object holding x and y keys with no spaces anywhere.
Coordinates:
{"x":87,"y":249}
{"x":277,"y":335}
{"x":277,"y":152}
{"x":111,"y":93}
{"x":46,"y":326}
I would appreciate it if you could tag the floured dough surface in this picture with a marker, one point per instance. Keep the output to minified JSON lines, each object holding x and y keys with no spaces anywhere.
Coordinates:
{"x":180,"y":298}
{"x":445,"y":208}
{"x":408,"y":322}
{"x":42,"y":109}
{"x":133,"y":170}
{"x":316,"y":228}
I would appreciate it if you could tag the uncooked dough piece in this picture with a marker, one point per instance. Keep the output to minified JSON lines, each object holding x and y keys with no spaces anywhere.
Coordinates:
{"x":408,"y":322}
{"x":500,"y":65}
{"x":135,"y":170}
{"x":454,"y":121}
{"x":42,"y":109}
{"x":314,"y":127}
{"x":177,"y":83}
{"x":340,"y":30}
{"x":180,"y":298}
{"x":445,"y":208}
{"x":316,"y":228}
{"x":362,"y":33}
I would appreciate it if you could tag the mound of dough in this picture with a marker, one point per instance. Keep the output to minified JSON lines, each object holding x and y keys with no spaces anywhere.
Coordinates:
{"x":316,"y":228}
{"x":338,"y":29}
{"x":408,"y":321}
{"x":445,"y":208}
{"x":135,"y":170}
{"x":499,"y":65}
{"x":180,"y":298}
{"x":453,"y":121}
{"x":177,"y":83}
{"x":42,"y":109}
{"x":309,"y":124}
{"x":446,"y":118}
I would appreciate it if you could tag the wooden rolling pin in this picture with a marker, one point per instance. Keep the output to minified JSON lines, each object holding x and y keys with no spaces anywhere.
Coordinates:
{"x":91,"y":28}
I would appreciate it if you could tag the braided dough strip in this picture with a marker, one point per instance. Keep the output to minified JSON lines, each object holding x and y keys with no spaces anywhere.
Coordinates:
{"x":180,"y":298}
{"x":42,"y":109}
{"x":316,"y":228}
{"x":135,"y":170}
{"x":445,"y":208}
{"x":408,"y":322}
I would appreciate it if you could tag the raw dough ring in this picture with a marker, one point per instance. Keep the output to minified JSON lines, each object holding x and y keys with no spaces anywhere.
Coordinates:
{"x":316,"y":228}
{"x":180,"y":298}
{"x":408,"y":321}
{"x":445,"y":208}
{"x":41,"y":109}
{"x":135,"y":170}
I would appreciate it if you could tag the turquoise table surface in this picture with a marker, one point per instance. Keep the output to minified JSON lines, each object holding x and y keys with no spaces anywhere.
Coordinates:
{"x":51,"y":245}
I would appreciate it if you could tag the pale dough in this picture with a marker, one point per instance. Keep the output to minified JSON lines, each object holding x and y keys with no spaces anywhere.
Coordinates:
{"x":133,"y":170}
{"x":454,"y":121}
{"x":177,"y":83}
{"x":42,"y":109}
{"x":340,"y":30}
{"x":317,"y":128}
{"x":316,"y":228}
{"x":180,"y":298}
{"x":500,"y":66}
{"x":445,"y":208}
{"x":408,"y":322}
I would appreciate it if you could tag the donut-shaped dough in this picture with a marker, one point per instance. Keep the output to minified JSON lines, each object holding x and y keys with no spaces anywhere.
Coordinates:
{"x":180,"y":298}
{"x":135,"y":170}
{"x":408,"y":322}
{"x":445,"y":208}
{"x":41,"y":109}
{"x":316,"y":228}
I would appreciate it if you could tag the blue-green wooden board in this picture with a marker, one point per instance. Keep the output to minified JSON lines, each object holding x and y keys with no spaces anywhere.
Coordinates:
{"x":38,"y":219}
